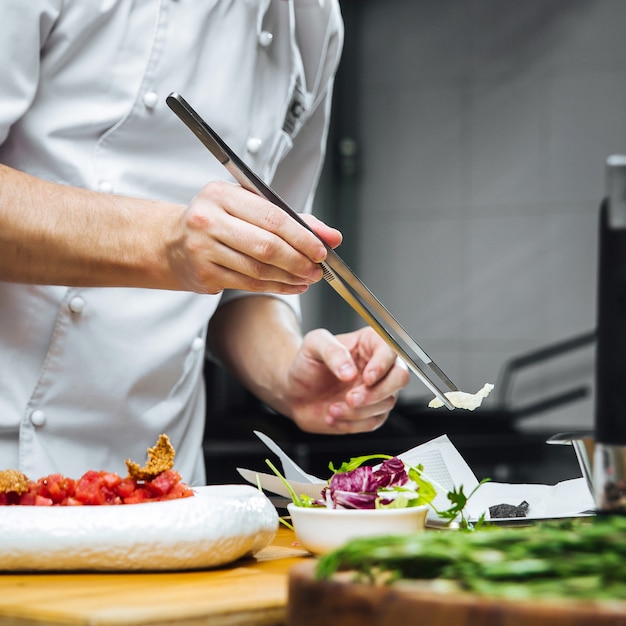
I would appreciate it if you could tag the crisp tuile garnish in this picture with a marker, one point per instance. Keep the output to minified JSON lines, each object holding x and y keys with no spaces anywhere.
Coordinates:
{"x":12,"y":481}
{"x":160,"y":459}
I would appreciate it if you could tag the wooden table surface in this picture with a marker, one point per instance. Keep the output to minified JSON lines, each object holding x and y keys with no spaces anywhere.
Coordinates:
{"x":251,"y":592}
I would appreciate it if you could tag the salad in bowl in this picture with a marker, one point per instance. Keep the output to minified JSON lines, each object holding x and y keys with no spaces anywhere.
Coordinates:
{"x":365,"y":500}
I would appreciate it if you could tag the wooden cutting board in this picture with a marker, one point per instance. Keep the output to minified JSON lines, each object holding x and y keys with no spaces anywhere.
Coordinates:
{"x":340,"y":602}
{"x":251,"y":591}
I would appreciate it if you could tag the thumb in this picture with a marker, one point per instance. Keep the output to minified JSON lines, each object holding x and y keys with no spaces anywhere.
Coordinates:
{"x":324,"y":346}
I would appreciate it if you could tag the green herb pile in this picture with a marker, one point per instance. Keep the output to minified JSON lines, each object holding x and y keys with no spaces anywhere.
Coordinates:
{"x":583,"y":558}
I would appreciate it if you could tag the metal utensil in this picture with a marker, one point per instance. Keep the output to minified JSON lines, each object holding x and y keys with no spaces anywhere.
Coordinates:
{"x":584,"y":447}
{"x":336,"y":273}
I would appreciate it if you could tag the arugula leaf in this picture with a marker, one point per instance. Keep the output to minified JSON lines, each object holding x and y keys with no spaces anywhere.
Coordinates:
{"x":459,"y":501}
{"x":427,"y":491}
{"x":352,"y":464}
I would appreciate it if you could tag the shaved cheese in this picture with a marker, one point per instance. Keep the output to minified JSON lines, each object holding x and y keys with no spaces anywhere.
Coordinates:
{"x":463,"y":400}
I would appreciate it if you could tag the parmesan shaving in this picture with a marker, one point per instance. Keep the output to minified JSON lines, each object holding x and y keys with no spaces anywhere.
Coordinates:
{"x":463,"y":400}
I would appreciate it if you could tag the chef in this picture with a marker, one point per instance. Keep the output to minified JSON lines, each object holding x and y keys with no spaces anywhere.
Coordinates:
{"x":125,"y":250}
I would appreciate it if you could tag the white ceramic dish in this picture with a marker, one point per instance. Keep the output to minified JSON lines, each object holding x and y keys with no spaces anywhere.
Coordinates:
{"x":321,"y":530}
{"x":218,"y":525}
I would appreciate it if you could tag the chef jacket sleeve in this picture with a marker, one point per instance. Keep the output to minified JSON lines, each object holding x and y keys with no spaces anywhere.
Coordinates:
{"x":24,"y":29}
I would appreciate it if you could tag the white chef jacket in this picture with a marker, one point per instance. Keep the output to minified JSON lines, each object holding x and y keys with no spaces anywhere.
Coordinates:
{"x":90,"y":377}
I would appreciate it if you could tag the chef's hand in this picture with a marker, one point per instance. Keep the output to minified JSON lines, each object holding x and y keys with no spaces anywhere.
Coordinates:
{"x":345,"y":383}
{"x":230,"y":238}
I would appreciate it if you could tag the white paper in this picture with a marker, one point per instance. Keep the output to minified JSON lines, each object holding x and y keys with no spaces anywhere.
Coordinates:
{"x":569,"y":498}
{"x":447,"y":469}
{"x":273,"y":484}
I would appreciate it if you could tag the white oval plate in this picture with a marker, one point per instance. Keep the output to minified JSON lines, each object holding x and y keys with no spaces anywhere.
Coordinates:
{"x":218,"y":525}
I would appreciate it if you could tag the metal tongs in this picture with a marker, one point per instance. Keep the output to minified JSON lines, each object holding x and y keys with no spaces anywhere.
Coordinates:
{"x":336,"y":273}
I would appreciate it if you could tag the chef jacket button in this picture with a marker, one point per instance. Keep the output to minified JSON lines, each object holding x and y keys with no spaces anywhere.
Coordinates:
{"x":105,"y":186}
{"x":38,"y":418}
{"x":197,"y":344}
{"x":265,"y":38}
{"x":150,"y":99}
{"x":77,"y":304}
{"x":253,"y":144}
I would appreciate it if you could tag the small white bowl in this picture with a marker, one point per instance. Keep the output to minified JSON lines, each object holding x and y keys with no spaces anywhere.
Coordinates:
{"x":322,"y":530}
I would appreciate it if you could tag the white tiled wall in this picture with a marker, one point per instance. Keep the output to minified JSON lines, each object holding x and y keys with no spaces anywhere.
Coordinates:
{"x":484,"y":126}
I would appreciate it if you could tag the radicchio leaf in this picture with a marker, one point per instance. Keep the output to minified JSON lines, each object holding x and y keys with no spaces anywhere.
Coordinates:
{"x":391,"y":473}
{"x":358,"y":488}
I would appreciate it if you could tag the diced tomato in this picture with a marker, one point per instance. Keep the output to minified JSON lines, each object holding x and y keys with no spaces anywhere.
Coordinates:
{"x":109,"y":480}
{"x":179,"y":490}
{"x":89,"y":488}
{"x":71,"y":502}
{"x":126,"y":488}
{"x":98,"y":488}
{"x":41,"y":501}
{"x":28,"y":498}
{"x":56,"y":487}
{"x":163,"y":483}
{"x":141,"y":494}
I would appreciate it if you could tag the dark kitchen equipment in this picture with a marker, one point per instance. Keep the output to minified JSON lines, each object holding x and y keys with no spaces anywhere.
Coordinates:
{"x":610,"y":410}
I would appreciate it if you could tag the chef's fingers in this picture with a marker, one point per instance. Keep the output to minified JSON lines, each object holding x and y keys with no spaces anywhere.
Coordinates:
{"x":379,"y":360}
{"x":371,"y":374}
{"x":366,"y":406}
{"x":230,"y":269}
{"x":265,"y":232}
{"x":344,"y":419}
{"x":364,"y":352}
{"x":333,"y":353}
{"x":330,"y":235}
